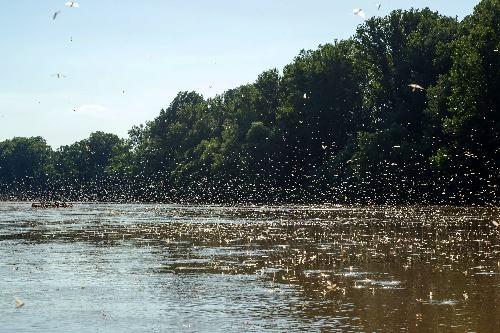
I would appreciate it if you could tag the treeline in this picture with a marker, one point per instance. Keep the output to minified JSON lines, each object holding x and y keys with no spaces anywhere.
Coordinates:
{"x":340,"y":124}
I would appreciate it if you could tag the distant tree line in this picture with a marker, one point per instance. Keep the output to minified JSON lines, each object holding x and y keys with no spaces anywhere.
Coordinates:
{"x":340,"y":124}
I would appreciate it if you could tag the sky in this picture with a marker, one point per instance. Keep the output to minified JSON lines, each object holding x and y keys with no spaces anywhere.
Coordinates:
{"x":124,"y":61}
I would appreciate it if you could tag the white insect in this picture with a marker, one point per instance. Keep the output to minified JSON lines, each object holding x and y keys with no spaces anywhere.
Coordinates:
{"x":58,"y":75}
{"x":72,"y":4}
{"x":19,"y":303}
{"x":416,"y":87}
{"x":305,"y":95}
{"x":359,"y":12}
{"x":55,"y":14}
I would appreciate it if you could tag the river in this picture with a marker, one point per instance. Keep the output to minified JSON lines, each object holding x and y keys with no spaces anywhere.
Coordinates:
{"x":174,"y":268}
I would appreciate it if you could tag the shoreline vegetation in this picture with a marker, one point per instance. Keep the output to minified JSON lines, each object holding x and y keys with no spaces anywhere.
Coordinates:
{"x":404,"y":112}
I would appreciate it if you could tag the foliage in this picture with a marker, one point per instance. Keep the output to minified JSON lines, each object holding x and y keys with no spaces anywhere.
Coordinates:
{"x":340,"y":124}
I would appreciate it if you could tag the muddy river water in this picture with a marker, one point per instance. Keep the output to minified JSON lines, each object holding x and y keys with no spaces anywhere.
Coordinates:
{"x":173,"y":268}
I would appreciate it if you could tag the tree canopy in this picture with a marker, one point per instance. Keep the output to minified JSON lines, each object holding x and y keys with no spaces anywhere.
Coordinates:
{"x":405,"y":111}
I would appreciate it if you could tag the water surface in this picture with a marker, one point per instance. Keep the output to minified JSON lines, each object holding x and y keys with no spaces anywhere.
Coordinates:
{"x":158,"y":268}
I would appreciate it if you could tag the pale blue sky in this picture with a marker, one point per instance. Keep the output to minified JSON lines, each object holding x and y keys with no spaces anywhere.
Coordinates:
{"x":152,"y":49}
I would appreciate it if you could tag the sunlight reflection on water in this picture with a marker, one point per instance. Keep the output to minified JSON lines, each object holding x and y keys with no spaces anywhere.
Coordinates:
{"x":125,"y":268}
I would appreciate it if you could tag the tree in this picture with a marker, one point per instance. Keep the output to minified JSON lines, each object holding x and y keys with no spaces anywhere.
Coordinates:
{"x":25,"y":164}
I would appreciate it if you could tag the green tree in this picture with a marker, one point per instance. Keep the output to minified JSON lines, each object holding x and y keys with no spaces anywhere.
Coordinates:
{"x":25,"y":166}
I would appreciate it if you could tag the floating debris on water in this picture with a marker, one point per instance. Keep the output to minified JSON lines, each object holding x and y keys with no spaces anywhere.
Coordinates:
{"x":325,"y":254}
{"x":19,"y":303}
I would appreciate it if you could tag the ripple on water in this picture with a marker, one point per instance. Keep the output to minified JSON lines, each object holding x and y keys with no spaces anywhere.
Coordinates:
{"x":206,"y":268}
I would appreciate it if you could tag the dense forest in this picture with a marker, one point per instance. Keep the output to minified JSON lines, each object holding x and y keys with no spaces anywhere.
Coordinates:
{"x":405,"y":111}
